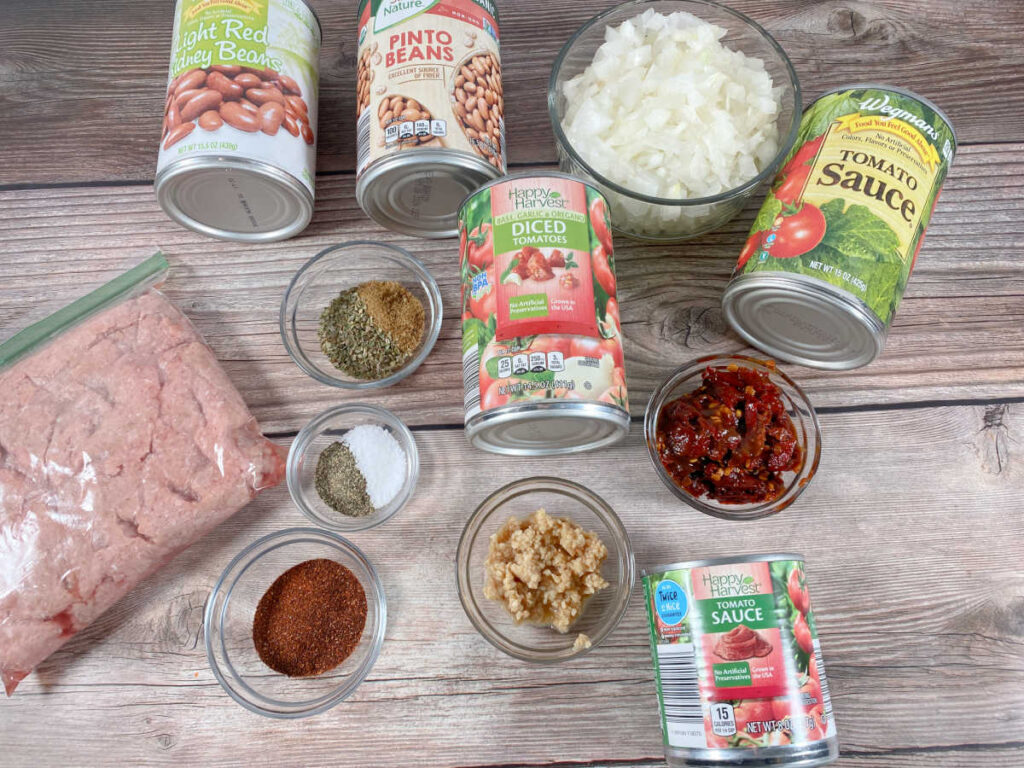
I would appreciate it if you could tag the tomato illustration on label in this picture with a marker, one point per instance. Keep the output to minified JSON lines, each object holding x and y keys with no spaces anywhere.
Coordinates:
{"x":541,"y":320}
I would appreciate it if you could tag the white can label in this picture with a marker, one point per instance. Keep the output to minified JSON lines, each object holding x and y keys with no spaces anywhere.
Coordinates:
{"x":429,"y":77}
{"x":243,"y":83}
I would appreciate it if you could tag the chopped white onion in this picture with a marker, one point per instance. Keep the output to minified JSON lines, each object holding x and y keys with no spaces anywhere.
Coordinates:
{"x":666,"y":110}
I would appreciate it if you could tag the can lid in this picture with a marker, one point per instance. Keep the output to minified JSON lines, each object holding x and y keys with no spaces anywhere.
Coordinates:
{"x":546,"y":429}
{"x":234,"y":199}
{"x":804,"y":321}
{"x":768,"y":557}
{"x":419,"y":192}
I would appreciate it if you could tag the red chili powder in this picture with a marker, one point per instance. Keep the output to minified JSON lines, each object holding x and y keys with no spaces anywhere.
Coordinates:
{"x":311,"y":619}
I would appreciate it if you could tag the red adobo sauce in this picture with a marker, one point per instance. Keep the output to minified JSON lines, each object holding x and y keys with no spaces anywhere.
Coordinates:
{"x":730,"y":439}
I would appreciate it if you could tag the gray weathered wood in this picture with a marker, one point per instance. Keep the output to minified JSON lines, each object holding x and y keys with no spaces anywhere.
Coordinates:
{"x":82,"y":86}
{"x":958,"y":335}
{"x":913,"y":557}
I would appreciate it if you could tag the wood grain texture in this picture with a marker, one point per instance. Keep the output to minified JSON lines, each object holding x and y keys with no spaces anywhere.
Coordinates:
{"x":959,"y":334}
{"x":81,"y":85}
{"x":915,"y":580}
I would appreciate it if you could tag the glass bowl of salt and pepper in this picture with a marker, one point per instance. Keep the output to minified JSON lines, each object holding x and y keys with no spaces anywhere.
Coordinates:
{"x":352,"y":467}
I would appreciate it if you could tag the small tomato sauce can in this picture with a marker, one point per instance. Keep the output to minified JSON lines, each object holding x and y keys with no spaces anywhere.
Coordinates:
{"x":430,"y":110}
{"x":237,"y":157}
{"x":737,"y":663}
{"x":828,"y":258}
{"x":541,"y":336}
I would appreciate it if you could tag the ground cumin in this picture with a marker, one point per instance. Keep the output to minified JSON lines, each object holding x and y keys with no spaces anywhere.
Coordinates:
{"x":395,"y":311}
{"x":311,"y":619}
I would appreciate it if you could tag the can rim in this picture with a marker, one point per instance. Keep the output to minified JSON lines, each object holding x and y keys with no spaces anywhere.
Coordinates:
{"x":767,"y":557}
{"x":524,"y":412}
{"x":533,"y":175}
{"x":316,"y":18}
{"x":807,"y":285}
{"x":259,"y":169}
{"x":442,"y":159}
{"x":903,"y":92}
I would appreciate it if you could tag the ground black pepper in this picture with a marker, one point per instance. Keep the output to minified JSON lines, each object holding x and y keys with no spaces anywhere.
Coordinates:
{"x":311,"y":618}
{"x":339,"y":483}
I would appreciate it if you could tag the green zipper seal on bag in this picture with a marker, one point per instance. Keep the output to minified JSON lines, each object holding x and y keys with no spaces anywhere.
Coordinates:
{"x":133,"y":282}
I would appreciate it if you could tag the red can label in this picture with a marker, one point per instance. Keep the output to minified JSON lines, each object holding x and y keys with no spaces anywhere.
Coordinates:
{"x":737,"y":656}
{"x":540,"y":317}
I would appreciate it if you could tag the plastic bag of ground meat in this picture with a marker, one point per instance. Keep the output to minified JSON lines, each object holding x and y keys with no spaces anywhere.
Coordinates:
{"x":122,"y":442}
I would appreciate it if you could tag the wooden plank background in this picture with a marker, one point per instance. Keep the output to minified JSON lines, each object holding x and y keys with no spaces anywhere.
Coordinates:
{"x":913,"y":529}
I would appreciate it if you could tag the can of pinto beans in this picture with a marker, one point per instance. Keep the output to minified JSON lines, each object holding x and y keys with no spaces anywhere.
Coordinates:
{"x":738,"y":665}
{"x":237,"y":154}
{"x":541,"y":336}
{"x":829,"y":255}
{"x":431,"y":110}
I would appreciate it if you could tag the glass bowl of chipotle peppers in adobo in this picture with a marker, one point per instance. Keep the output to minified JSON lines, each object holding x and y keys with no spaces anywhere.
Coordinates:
{"x":733,"y":437}
{"x":295,"y":623}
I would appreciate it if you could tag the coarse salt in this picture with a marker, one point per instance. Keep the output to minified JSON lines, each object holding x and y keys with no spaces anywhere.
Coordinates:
{"x":381,"y":461}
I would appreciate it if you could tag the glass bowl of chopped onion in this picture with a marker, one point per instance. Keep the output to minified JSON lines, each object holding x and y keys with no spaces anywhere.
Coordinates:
{"x":578,"y":548}
{"x":352,"y":467}
{"x":361,"y":315}
{"x":677,"y":109}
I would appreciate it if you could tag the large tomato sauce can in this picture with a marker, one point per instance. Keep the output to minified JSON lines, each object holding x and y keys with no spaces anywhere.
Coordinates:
{"x":737,"y":662}
{"x":430,"y":110}
{"x":237,"y":157}
{"x":541,"y":336}
{"x":830,"y":252}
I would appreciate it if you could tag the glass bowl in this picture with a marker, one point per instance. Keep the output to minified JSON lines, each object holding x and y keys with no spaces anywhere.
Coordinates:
{"x":688,"y":378}
{"x":337,"y":269}
{"x":227,"y":626}
{"x":329,"y":427}
{"x":656,"y":219}
{"x":601,"y":612}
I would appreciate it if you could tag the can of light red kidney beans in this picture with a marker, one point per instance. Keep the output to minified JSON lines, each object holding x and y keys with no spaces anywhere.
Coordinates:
{"x":541,"y":337}
{"x":238,"y":150}
{"x":430,"y":107}
{"x":737,"y":662}
{"x":828,"y":257}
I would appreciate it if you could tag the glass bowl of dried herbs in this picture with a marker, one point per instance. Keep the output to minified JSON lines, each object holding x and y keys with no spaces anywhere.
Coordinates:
{"x":352,"y":467}
{"x":361,"y":315}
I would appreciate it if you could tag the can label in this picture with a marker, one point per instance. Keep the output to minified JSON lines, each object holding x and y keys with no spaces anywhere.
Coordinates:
{"x":851,"y":204}
{"x":736,"y":656}
{"x":429,"y":77}
{"x":540,"y":320}
{"x":243,"y":84}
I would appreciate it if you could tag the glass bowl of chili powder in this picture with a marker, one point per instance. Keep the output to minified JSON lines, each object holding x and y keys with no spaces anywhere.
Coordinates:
{"x":229,"y":625}
{"x":338,"y":269}
{"x":733,"y":436}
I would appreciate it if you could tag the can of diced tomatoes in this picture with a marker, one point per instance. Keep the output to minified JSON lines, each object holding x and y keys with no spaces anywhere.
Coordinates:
{"x":829,"y":255}
{"x":430,"y":108}
{"x":541,"y":337}
{"x":737,"y":663}
{"x":237,"y":154}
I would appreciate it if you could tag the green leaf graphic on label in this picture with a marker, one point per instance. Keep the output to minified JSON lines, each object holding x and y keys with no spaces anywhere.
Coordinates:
{"x":732,"y":675}
{"x":748,"y":580}
{"x":391,"y":12}
{"x":555,"y":195}
{"x":528,"y":305}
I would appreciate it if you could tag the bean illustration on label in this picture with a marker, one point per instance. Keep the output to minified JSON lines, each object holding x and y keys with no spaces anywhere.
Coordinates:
{"x":238,"y":148}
